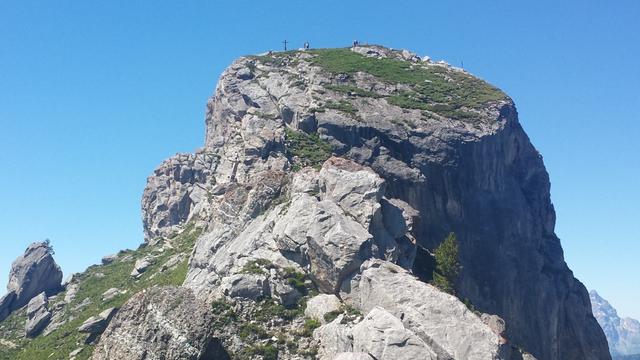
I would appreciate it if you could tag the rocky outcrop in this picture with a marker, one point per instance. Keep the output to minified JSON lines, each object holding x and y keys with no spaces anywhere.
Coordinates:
{"x":32,"y":273}
{"x":432,"y":149}
{"x":159,"y":323}
{"x":5,"y":304}
{"x":383,"y":336}
{"x":174,"y":191}
{"x":321,"y":305}
{"x":96,"y":325}
{"x":623,"y":334}
{"x":328,"y":221}
{"x":38,"y":315}
{"x":443,"y":322}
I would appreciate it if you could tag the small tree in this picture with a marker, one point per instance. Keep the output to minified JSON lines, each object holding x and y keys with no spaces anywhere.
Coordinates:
{"x":49,"y":246}
{"x":447,"y":265}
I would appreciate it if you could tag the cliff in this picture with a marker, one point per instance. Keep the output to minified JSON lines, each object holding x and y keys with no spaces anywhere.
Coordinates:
{"x":306,"y":225}
{"x":447,"y":144}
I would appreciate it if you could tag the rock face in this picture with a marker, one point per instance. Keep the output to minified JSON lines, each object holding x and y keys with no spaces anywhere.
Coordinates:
{"x":96,"y":325}
{"x":443,"y":322}
{"x":159,"y":323}
{"x":623,"y":334}
{"x":31,"y":274}
{"x":422,"y":149}
{"x":38,"y":315}
{"x":174,"y":191}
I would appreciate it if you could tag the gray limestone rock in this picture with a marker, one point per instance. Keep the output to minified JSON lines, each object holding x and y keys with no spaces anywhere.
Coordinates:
{"x":320,"y":305}
{"x":32,"y":273}
{"x":384,"y":337}
{"x":441,"y":320}
{"x":353,"y":356}
{"x":470,"y":169}
{"x":248,"y":286}
{"x":159,"y":323}
{"x":98,"y":323}
{"x":38,"y":315}
{"x":106,"y":260}
{"x":110,"y":294}
{"x":5,"y":304}
{"x":141,"y":266}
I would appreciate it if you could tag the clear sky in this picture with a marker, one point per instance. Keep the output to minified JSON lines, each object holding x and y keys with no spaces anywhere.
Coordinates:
{"x":95,"y":94}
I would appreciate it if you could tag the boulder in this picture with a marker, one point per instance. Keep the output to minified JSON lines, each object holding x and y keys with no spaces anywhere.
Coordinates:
{"x":98,"y":323}
{"x":110,"y":294}
{"x":384,"y":337}
{"x":159,"y":323}
{"x":283,"y":292}
{"x":106,"y":260}
{"x":320,"y":305}
{"x":38,"y":315}
{"x":442,"y":321}
{"x":335,"y":243}
{"x":33,"y":273}
{"x":141,"y":266}
{"x":334,"y":338}
{"x":248,"y":286}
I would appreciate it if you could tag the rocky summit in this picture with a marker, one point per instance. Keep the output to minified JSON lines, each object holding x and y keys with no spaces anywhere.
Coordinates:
{"x":309,"y":226}
{"x":623,"y":334}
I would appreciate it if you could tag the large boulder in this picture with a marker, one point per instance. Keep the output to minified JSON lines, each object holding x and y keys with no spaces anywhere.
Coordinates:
{"x":160,"y":323}
{"x":33,"y":273}
{"x":321,"y":305}
{"x":96,"y":325}
{"x":384,"y":337}
{"x":441,"y":320}
{"x":38,"y":315}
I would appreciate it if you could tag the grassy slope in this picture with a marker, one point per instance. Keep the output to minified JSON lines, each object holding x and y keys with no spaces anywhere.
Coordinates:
{"x":438,"y":89}
{"x":61,"y":342}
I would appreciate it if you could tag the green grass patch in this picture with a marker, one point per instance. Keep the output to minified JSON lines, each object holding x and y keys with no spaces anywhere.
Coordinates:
{"x":353,"y":90}
{"x":306,"y":149}
{"x":342,"y":105}
{"x":431,"y":85}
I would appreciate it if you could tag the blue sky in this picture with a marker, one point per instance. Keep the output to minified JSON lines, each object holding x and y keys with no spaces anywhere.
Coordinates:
{"x":95,"y":94}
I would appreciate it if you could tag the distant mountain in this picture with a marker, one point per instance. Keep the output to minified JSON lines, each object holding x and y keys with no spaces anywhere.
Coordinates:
{"x":623,"y":334}
{"x":626,"y":357}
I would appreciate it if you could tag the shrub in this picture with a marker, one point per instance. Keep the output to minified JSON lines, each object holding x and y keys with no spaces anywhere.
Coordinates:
{"x":309,"y":326}
{"x":308,"y":149}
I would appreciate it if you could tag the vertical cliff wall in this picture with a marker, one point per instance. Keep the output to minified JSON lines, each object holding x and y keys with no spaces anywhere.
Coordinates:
{"x":447,"y":144}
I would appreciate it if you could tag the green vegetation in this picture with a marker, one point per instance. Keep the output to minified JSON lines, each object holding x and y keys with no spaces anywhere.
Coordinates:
{"x":258,"y":266}
{"x":342,"y":105}
{"x":306,"y":149}
{"x":434,"y":88}
{"x":268,"y":351}
{"x":309,"y":326}
{"x":353,"y":90}
{"x":350,"y":313}
{"x":66,"y":339}
{"x":296,"y":280}
{"x":447,"y":265}
{"x":252,"y":329}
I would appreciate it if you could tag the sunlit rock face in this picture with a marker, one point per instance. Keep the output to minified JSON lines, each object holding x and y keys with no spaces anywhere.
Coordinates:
{"x":428,"y":149}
